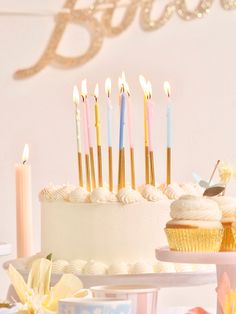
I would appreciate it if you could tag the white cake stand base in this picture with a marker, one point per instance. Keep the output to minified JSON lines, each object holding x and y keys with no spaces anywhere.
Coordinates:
{"x":225,"y":262}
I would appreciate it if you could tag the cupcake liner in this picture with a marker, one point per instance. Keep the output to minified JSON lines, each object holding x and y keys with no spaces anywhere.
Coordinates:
{"x":194,"y":240}
{"x":229,"y":239}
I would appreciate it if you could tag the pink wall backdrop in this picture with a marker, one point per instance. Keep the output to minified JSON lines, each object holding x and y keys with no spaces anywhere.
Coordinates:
{"x":197,"y":57}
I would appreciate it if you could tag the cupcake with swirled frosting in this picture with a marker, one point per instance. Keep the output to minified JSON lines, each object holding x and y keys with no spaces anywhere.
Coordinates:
{"x":227,"y":206}
{"x":195,"y":225}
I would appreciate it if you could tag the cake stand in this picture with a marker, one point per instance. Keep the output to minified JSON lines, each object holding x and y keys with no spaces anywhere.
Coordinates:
{"x":225,"y":262}
{"x":160,"y":280}
{"x":5,"y":249}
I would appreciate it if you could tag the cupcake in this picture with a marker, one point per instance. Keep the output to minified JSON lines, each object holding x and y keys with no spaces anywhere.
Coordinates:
{"x":227,"y":206}
{"x":195,"y":225}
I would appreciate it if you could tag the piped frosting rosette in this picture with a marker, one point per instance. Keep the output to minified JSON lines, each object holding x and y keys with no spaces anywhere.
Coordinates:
{"x":227,"y":206}
{"x":195,"y":225}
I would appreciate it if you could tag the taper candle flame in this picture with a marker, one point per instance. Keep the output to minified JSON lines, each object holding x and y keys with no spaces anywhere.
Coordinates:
{"x":108,"y":87}
{"x":76,"y":96}
{"x":167,"y":89}
{"x":96,"y":92}
{"x":84,"y":91}
{"x":25,"y":155}
{"x":143,"y":82}
{"x":126,"y":87}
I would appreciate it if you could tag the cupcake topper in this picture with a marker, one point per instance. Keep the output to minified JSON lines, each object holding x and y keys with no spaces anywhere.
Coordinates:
{"x":215,"y":189}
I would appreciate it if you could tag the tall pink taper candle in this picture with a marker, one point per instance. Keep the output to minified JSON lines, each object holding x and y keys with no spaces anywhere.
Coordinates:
{"x":24,"y":207}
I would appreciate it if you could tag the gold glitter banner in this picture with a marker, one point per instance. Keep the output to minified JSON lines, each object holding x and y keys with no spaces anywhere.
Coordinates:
{"x":97,"y":20}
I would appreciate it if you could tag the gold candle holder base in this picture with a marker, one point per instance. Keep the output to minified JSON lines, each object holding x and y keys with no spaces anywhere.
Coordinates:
{"x":100,"y":180}
{"x":168,"y":165}
{"x":110,"y":161}
{"x":80,"y":169}
{"x":92,"y":167}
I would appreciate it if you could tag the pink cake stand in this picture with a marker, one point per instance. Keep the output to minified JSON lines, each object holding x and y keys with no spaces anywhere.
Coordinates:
{"x":224,"y":261}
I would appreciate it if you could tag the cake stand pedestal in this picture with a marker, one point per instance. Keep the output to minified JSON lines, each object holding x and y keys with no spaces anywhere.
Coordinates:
{"x":225,"y":262}
{"x":5,"y":249}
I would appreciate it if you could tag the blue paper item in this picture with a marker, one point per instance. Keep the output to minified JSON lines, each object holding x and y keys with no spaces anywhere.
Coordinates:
{"x":94,"y":306}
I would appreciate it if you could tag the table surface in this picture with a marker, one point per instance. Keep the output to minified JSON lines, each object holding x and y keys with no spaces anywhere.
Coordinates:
{"x":5,"y":249}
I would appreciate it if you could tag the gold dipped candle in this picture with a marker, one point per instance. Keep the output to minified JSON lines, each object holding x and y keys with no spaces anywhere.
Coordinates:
{"x":86,"y":145}
{"x":143,"y":84}
{"x":98,"y":136}
{"x":78,"y":134}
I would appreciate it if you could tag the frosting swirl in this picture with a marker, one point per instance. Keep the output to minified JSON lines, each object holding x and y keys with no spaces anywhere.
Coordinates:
{"x":142,"y":268}
{"x":128,"y":196}
{"x":173,"y":191}
{"x":152,"y":194}
{"x":102,"y":195}
{"x":227,"y":205}
{"x":55,"y":193}
{"x":79,"y":195}
{"x":192,"y":189}
{"x":118,"y":268}
{"x":189,"y":207}
{"x":58,"y":266}
{"x":75,"y":267}
{"x":95,"y":268}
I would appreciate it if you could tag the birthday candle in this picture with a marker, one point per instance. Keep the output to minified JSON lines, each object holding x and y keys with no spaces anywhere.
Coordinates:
{"x":98,"y":133}
{"x":169,"y":125}
{"x":109,"y":132}
{"x":121,"y":171}
{"x":131,"y":137}
{"x":78,"y":134}
{"x":150,"y":119}
{"x":143,"y":84}
{"x":86,"y":145}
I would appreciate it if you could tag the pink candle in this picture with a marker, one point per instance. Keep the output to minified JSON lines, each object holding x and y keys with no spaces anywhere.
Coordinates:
{"x":24,"y":207}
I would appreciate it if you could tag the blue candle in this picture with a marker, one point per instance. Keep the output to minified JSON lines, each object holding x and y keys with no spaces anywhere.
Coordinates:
{"x":122,"y":121}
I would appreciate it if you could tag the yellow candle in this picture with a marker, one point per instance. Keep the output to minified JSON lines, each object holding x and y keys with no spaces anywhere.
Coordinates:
{"x":24,"y":207}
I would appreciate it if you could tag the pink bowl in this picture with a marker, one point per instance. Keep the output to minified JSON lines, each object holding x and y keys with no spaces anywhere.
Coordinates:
{"x":143,"y":298}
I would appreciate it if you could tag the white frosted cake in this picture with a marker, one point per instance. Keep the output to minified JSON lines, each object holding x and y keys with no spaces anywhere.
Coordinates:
{"x":100,"y":232}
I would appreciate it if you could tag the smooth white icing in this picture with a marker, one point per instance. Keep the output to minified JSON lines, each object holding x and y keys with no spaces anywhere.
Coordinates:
{"x":189,"y":207}
{"x":79,"y":195}
{"x":151,"y":193}
{"x":58,"y":266}
{"x":227,"y":205}
{"x":95,"y":268}
{"x":118,"y":268}
{"x":75,"y":267}
{"x":128,"y":196}
{"x":142,"y":268}
{"x":102,"y":195}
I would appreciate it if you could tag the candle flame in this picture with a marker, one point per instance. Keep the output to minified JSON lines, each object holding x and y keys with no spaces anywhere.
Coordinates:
{"x":167,"y":88}
{"x":75,"y":96}
{"x":143,"y":82}
{"x":96,"y":92}
{"x":121,"y":83}
{"x":25,"y":154}
{"x":149,"y":89}
{"x":108,"y":87}
{"x":126,"y":87}
{"x":123,"y":76}
{"x":84,"y":91}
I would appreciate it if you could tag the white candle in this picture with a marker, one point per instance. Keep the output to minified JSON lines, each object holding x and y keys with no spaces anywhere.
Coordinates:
{"x":24,"y":206}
